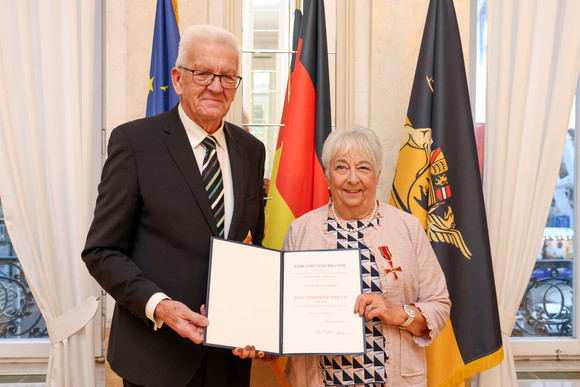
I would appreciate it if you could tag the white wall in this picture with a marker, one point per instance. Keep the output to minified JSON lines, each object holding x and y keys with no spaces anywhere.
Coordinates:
{"x":395,"y":39}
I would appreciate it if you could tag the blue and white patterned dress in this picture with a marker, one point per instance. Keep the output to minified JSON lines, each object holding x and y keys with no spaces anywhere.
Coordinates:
{"x":367,"y":369}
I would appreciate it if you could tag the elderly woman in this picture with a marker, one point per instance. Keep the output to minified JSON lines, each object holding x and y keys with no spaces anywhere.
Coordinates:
{"x":405,"y":300}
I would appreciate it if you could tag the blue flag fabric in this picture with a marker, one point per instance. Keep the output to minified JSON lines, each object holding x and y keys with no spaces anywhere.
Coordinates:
{"x":161,"y":96}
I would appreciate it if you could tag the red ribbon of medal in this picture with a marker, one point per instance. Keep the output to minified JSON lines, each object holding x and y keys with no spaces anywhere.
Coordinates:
{"x":387,"y":254}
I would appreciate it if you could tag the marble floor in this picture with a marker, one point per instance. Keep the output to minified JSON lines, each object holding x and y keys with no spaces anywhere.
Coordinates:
{"x":549,"y":383}
{"x":32,"y":374}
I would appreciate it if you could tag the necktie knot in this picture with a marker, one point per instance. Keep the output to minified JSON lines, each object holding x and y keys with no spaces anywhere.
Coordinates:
{"x":209,"y":142}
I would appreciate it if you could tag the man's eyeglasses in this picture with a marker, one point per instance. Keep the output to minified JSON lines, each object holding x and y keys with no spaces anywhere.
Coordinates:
{"x":205,"y":78}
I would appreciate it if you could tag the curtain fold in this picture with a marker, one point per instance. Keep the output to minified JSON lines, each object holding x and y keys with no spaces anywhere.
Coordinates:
{"x":533,"y":66}
{"x":50,"y":87}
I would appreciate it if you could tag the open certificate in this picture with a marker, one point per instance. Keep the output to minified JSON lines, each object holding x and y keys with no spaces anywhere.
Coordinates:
{"x":284,"y":303}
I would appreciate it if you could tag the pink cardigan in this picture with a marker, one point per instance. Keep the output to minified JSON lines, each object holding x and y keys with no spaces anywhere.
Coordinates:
{"x":421,"y":283}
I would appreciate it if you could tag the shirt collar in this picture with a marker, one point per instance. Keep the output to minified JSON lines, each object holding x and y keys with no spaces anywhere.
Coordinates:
{"x":196,"y":133}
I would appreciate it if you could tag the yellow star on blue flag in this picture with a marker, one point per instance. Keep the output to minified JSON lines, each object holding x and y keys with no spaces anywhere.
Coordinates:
{"x":161,"y":96}
{"x":151,"y":84}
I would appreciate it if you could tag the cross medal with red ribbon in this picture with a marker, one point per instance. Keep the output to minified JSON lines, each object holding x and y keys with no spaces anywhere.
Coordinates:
{"x":387,"y":254}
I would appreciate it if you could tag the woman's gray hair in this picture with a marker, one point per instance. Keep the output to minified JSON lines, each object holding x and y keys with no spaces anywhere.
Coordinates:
{"x":355,"y":138}
{"x":204,"y":33}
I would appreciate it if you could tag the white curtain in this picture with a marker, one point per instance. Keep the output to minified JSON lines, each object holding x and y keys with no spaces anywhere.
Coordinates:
{"x":533,"y":65}
{"x":49,"y":125}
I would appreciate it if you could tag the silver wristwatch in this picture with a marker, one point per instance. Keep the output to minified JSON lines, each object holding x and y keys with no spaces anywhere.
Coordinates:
{"x":410,"y":316}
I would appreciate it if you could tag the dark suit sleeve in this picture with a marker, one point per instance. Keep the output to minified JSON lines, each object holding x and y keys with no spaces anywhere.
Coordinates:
{"x":110,"y":240}
{"x":258,"y":234}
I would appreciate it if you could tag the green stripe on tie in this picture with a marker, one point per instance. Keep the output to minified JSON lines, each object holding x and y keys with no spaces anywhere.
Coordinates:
{"x":216,"y":187}
{"x":212,"y":180}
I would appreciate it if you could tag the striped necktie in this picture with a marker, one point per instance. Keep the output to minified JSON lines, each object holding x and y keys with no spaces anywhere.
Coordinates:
{"x":213,"y":182}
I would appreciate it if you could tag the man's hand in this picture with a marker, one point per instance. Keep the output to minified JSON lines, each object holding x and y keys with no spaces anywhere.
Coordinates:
{"x":182,"y":319}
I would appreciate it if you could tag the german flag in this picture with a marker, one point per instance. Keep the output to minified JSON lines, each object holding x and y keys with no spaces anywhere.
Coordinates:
{"x":298,"y":185}
{"x":437,"y":179}
{"x":160,"y":95}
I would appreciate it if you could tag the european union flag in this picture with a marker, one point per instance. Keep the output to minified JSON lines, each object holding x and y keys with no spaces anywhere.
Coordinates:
{"x":161,"y":96}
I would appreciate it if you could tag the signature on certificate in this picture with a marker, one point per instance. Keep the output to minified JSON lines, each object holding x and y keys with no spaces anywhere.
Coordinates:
{"x":331,"y":332}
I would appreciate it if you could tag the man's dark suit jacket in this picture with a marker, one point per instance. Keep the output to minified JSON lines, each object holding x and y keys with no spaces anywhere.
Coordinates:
{"x":151,"y":233}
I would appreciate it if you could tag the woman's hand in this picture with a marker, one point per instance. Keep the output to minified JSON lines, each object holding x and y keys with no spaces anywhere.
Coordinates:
{"x":269,"y":358}
{"x":249,"y":351}
{"x":372,"y":305}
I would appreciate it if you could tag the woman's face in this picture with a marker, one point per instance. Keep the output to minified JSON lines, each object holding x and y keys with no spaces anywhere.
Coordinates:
{"x":352,"y":180}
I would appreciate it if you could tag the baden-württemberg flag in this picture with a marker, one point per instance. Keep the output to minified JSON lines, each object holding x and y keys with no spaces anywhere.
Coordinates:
{"x":437,"y":179}
{"x":298,"y":183}
{"x":160,"y":96}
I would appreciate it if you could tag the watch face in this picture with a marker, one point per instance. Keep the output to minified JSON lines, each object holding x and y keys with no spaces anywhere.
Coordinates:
{"x":410,"y":312}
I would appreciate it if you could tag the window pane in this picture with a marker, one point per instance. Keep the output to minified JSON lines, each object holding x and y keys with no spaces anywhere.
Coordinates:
{"x":548,"y":302}
{"x":20,"y":317}
{"x":547,"y":307}
{"x":265,"y":62}
{"x":266,"y":56}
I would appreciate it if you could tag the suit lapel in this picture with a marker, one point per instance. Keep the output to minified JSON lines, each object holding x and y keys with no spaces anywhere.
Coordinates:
{"x":237,"y":172}
{"x":178,"y":145}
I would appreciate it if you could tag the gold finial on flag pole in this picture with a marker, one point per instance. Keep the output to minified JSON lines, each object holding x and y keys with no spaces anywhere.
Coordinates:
{"x":176,"y":12}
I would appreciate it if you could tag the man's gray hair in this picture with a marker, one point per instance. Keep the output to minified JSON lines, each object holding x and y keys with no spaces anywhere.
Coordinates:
{"x":204,"y":33}
{"x":355,"y":138}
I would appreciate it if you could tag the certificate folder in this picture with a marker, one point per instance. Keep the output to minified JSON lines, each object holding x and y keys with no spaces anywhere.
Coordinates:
{"x":284,"y":303}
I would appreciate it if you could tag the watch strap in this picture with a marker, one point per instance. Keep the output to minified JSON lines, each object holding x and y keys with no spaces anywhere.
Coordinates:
{"x":410,"y":317}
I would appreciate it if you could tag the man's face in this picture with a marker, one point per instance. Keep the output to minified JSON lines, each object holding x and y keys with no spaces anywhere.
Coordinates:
{"x":206,"y":105}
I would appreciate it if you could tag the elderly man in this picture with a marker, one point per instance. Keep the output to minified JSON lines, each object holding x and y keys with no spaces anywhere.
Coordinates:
{"x":170,"y":183}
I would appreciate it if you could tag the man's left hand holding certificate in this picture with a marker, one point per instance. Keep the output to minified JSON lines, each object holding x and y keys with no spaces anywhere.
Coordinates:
{"x":284,"y":303}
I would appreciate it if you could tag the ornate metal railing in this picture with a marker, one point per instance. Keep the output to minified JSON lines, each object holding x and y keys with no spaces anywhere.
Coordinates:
{"x":20,"y":317}
{"x":19,"y":313}
{"x":547,"y":305}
